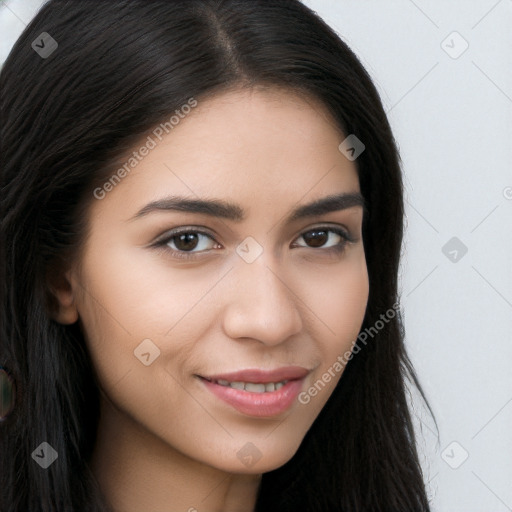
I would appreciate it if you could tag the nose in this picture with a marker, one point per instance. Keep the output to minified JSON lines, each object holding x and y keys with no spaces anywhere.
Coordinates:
{"x":262,"y":305}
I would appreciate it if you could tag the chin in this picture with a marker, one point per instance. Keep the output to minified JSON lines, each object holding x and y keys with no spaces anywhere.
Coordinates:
{"x":251,"y":460}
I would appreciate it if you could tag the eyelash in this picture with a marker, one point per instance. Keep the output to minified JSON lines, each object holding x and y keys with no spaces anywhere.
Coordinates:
{"x":162,"y":242}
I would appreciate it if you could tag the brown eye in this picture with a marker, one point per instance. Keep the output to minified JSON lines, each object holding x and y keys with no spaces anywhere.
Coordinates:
{"x":186,"y":241}
{"x":316,"y":238}
{"x":324,"y":238}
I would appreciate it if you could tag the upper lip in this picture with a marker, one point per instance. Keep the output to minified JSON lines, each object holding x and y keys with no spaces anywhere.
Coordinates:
{"x":256,"y":375}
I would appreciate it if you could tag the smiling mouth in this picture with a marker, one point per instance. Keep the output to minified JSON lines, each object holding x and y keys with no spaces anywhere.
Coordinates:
{"x":255,"y":392}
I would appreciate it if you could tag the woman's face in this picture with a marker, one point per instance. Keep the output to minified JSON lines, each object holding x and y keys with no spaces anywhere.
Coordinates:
{"x":247,"y":293}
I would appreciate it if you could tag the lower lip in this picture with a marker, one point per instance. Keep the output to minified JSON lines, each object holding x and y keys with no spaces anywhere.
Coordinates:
{"x":265,"y":404}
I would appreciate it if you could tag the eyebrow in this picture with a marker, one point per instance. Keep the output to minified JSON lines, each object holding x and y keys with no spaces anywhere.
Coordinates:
{"x":230,"y":211}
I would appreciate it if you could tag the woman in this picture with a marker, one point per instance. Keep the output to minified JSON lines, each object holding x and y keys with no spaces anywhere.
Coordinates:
{"x":201,"y":209}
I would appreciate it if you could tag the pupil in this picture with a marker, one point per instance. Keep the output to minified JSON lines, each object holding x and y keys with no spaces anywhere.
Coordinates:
{"x":316,"y":238}
{"x":186,"y":241}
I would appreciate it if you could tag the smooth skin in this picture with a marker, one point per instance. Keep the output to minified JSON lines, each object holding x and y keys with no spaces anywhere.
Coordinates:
{"x":165,"y":442}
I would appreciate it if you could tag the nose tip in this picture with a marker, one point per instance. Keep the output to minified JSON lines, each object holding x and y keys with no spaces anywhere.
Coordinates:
{"x":261,"y":306}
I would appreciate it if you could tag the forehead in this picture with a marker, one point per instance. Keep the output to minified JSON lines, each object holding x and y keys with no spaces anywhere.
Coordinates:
{"x":254,"y":146}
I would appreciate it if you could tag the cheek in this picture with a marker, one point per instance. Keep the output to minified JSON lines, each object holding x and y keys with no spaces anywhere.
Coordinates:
{"x":339,"y":305}
{"x":143,"y":295}
{"x":346,"y":305}
{"x":127,"y":314}
{"x":338,"y":299}
{"x":129,"y":296}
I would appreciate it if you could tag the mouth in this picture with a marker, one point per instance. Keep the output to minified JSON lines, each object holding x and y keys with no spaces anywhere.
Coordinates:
{"x":255,"y":392}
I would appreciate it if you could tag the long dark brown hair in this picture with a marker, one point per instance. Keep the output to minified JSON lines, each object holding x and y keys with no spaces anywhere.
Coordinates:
{"x":120,"y":68}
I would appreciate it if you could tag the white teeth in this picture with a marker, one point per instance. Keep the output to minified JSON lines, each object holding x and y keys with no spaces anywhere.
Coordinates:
{"x":255,"y":388}
{"x":252,"y":386}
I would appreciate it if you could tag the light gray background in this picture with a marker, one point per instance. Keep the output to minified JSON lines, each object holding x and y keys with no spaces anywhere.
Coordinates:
{"x":452,"y":118}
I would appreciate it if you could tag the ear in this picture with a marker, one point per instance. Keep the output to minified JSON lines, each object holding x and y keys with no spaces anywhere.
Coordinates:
{"x":62,"y":301}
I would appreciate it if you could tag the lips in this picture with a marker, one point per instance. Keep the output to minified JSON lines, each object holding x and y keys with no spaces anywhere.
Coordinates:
{"x":255,"y":392}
